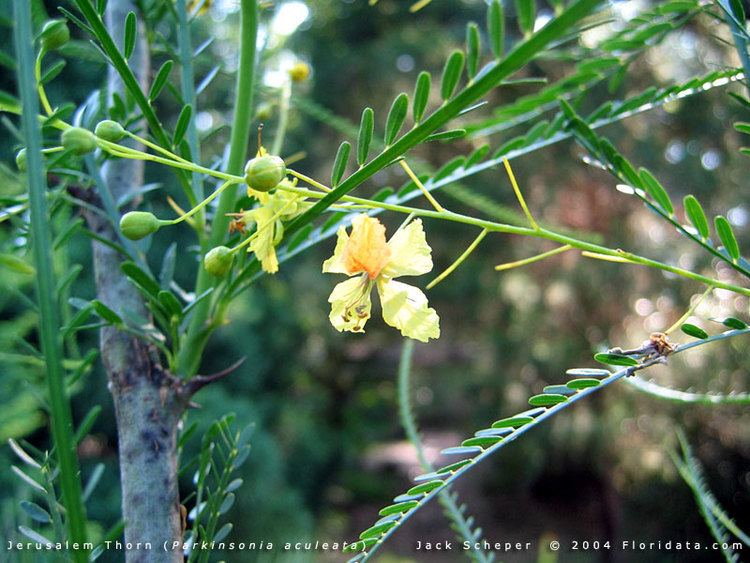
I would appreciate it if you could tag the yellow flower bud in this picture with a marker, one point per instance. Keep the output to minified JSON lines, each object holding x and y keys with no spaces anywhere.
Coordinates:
{"x":263,"y":173}
{"x":218,"y":261}
{"x":136,"y":225}
{"x":78,"y":140}
{"x":299,"y":72}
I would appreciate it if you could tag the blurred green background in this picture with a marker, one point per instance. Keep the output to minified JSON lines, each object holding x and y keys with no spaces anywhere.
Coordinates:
{"x":327,"y":447}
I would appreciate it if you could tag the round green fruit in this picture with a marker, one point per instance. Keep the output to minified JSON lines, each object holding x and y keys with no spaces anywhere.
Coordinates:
{"x":218,"y":261}
{"x":136,"y":225}
{"x":263,"y":173}
{"x":109,"y":131}
{"x":78,"y":140}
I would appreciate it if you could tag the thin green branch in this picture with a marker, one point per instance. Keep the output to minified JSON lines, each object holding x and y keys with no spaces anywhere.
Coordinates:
{"x":506,"y":432}
{"x":199,"y":328}
{"x":543,"y":233}
{"x":187,"y":81}
{"x":684,"y":397}
{"x":448,"y":501}
{"x":49,"y":327}
{"x":487,"y":79}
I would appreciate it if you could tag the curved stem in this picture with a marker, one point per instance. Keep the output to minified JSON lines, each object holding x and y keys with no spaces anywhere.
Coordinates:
{"x":204,"y":203}
{"x":39,"y":86}
{"x":446,"y":499}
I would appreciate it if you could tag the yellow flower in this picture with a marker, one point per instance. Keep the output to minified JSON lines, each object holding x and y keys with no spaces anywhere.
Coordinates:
{"x":299,"y":71}
{"x":372,"y":261}
{"x":275,"y":208}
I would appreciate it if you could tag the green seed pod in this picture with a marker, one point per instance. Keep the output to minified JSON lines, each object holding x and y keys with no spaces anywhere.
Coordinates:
{"x":109,"y":130}
{"x":136,"y":225}
{"x":21,"y":160}
{"x":54,"y":35}
{"x":78,"y":140}
{"x":263,"y":173}
{"x":218,"y":261}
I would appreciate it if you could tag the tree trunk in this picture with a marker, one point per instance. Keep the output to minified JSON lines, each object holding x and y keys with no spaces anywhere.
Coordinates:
{"x":148,"y":400}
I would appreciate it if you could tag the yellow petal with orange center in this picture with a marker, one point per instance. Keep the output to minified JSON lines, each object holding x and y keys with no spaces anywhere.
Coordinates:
{"x":366,"y":250}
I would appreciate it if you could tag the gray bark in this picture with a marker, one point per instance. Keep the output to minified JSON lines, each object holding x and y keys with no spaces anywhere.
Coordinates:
{"x":148,"y":400}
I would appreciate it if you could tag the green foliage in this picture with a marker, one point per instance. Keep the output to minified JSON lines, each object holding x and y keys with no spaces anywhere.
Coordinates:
{"x":223,"y":452}
{"x":492,"y":439}
{"x":718,"y":522}
{"x":185,"y":314}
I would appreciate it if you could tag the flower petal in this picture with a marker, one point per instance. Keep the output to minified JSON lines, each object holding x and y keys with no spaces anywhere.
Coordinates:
{"x":351,"y":304}
{"x":405,"y":307}
{"x":335,"y":264}
{"x":366,"y":250}
{"x":263,"y":244}
{"x":410,"y":253}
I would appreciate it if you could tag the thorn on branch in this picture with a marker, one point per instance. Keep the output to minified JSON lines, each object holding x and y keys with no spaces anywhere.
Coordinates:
{"x":198,"y":382}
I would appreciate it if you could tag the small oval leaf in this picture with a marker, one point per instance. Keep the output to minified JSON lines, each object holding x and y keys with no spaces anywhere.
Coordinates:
{"x":160,"y":80}
{"x":376,"y":530}
{"x":461,"y":450}
{"x":396,"y":117}
{"x":454,"y":466}
{"x":128,"y":43}
{"x":734,"y":323}
{"x":399,"y":508}
{"x":473,"y":49}
{"x":694,"y":331}
{"x":425,"y":488}
{"x":526,"y":12}
{"x":726,"y":235}
{"x":365,"y":135}
{"x":446,"y":135}
{"x":583,"y":383}
{"x":452,"y":70}
{"x":656,"y":190}
{"x":558,"y":390}
{"x":616,"y":360}
{"x":482,"y":441}
{"x":339,"y":164}
{"x":183,"y":121}
{"x":547,"y":400}
{"x":696,"y":215}
{"x":588,"y":372}
{"x":512,"y":422}
{"x":496,"y":27}
{"x":35,"y":512}
{"x":421,"y":95}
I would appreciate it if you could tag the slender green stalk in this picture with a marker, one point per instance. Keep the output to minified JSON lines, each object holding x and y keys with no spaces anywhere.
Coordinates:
{"x":452,"y":511}
{"x":284,"y":98}
{"x":199,"y":330}
{"x":686,"y":397}
{"x":187,"y":81}
{"x":49,"y":328}
{"x":543,"y":233}
{"x":450,"y":269}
